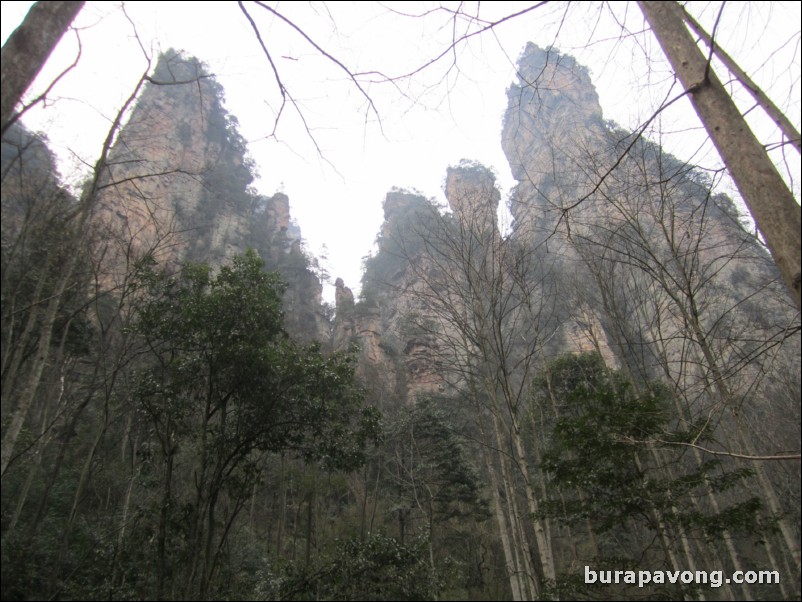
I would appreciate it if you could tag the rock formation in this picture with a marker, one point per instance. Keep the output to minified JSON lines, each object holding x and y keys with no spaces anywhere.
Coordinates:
{"x":177,"y":188}
{"x":603,"y":238}
{"x":590,"y":191}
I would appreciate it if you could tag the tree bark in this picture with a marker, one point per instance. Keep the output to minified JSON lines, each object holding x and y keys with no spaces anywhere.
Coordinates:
{"x":28,"y":48}
{"x":771,"y":203}
{"x":772,"y":110}
{"x":513,"y":574}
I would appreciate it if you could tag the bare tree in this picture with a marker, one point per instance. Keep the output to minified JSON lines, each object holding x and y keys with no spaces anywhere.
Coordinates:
{"x":484,"y":304}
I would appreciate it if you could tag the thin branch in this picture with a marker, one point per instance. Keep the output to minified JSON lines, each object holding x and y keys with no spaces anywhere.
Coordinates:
{"x":283,"y":90}
{"x":450,"y":47}
{"x":281,"y":87}
{"x":331,"y":58}
{"x":776,"y":457}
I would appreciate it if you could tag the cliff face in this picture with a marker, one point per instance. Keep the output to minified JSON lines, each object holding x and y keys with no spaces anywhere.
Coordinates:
{"x":553,"y":123}
{"x":620,"y":264}
{"x":161,"y":160}
{"x":646,"y":256}
{"x":472,"y":195}
{"x":397,"y":359}
{"x":31,"y":189}
{"x":177,"y":188}
{"x":423,"y":289}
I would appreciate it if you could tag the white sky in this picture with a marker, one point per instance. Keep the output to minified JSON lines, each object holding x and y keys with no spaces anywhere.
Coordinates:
{"x":428,"y":122}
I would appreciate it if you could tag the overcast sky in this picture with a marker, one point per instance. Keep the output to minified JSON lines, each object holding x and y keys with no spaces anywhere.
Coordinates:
{"x":421,"y":124}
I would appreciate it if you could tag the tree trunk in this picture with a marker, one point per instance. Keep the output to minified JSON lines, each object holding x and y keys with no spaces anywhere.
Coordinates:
{"x":282,"y":509}
{"x":509,"y":562}
{"x":28,"y":48}
{"x":771,"y":203}
{"x":760,"y":97}
{"x":167,"y":500}
{"x":538,"y":524}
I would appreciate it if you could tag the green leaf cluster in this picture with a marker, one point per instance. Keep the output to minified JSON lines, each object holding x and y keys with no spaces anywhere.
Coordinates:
{"x":378,"y":568}
{"x":610,"y":455}
{"x":223,"y":363}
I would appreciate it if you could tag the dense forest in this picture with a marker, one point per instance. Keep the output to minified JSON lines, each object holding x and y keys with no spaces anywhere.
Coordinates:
{"x":499,"y":412}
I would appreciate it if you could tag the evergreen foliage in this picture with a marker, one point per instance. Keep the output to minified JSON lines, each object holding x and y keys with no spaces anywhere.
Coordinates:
{"x":379,"y":568}
{"x":612,"y":468}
